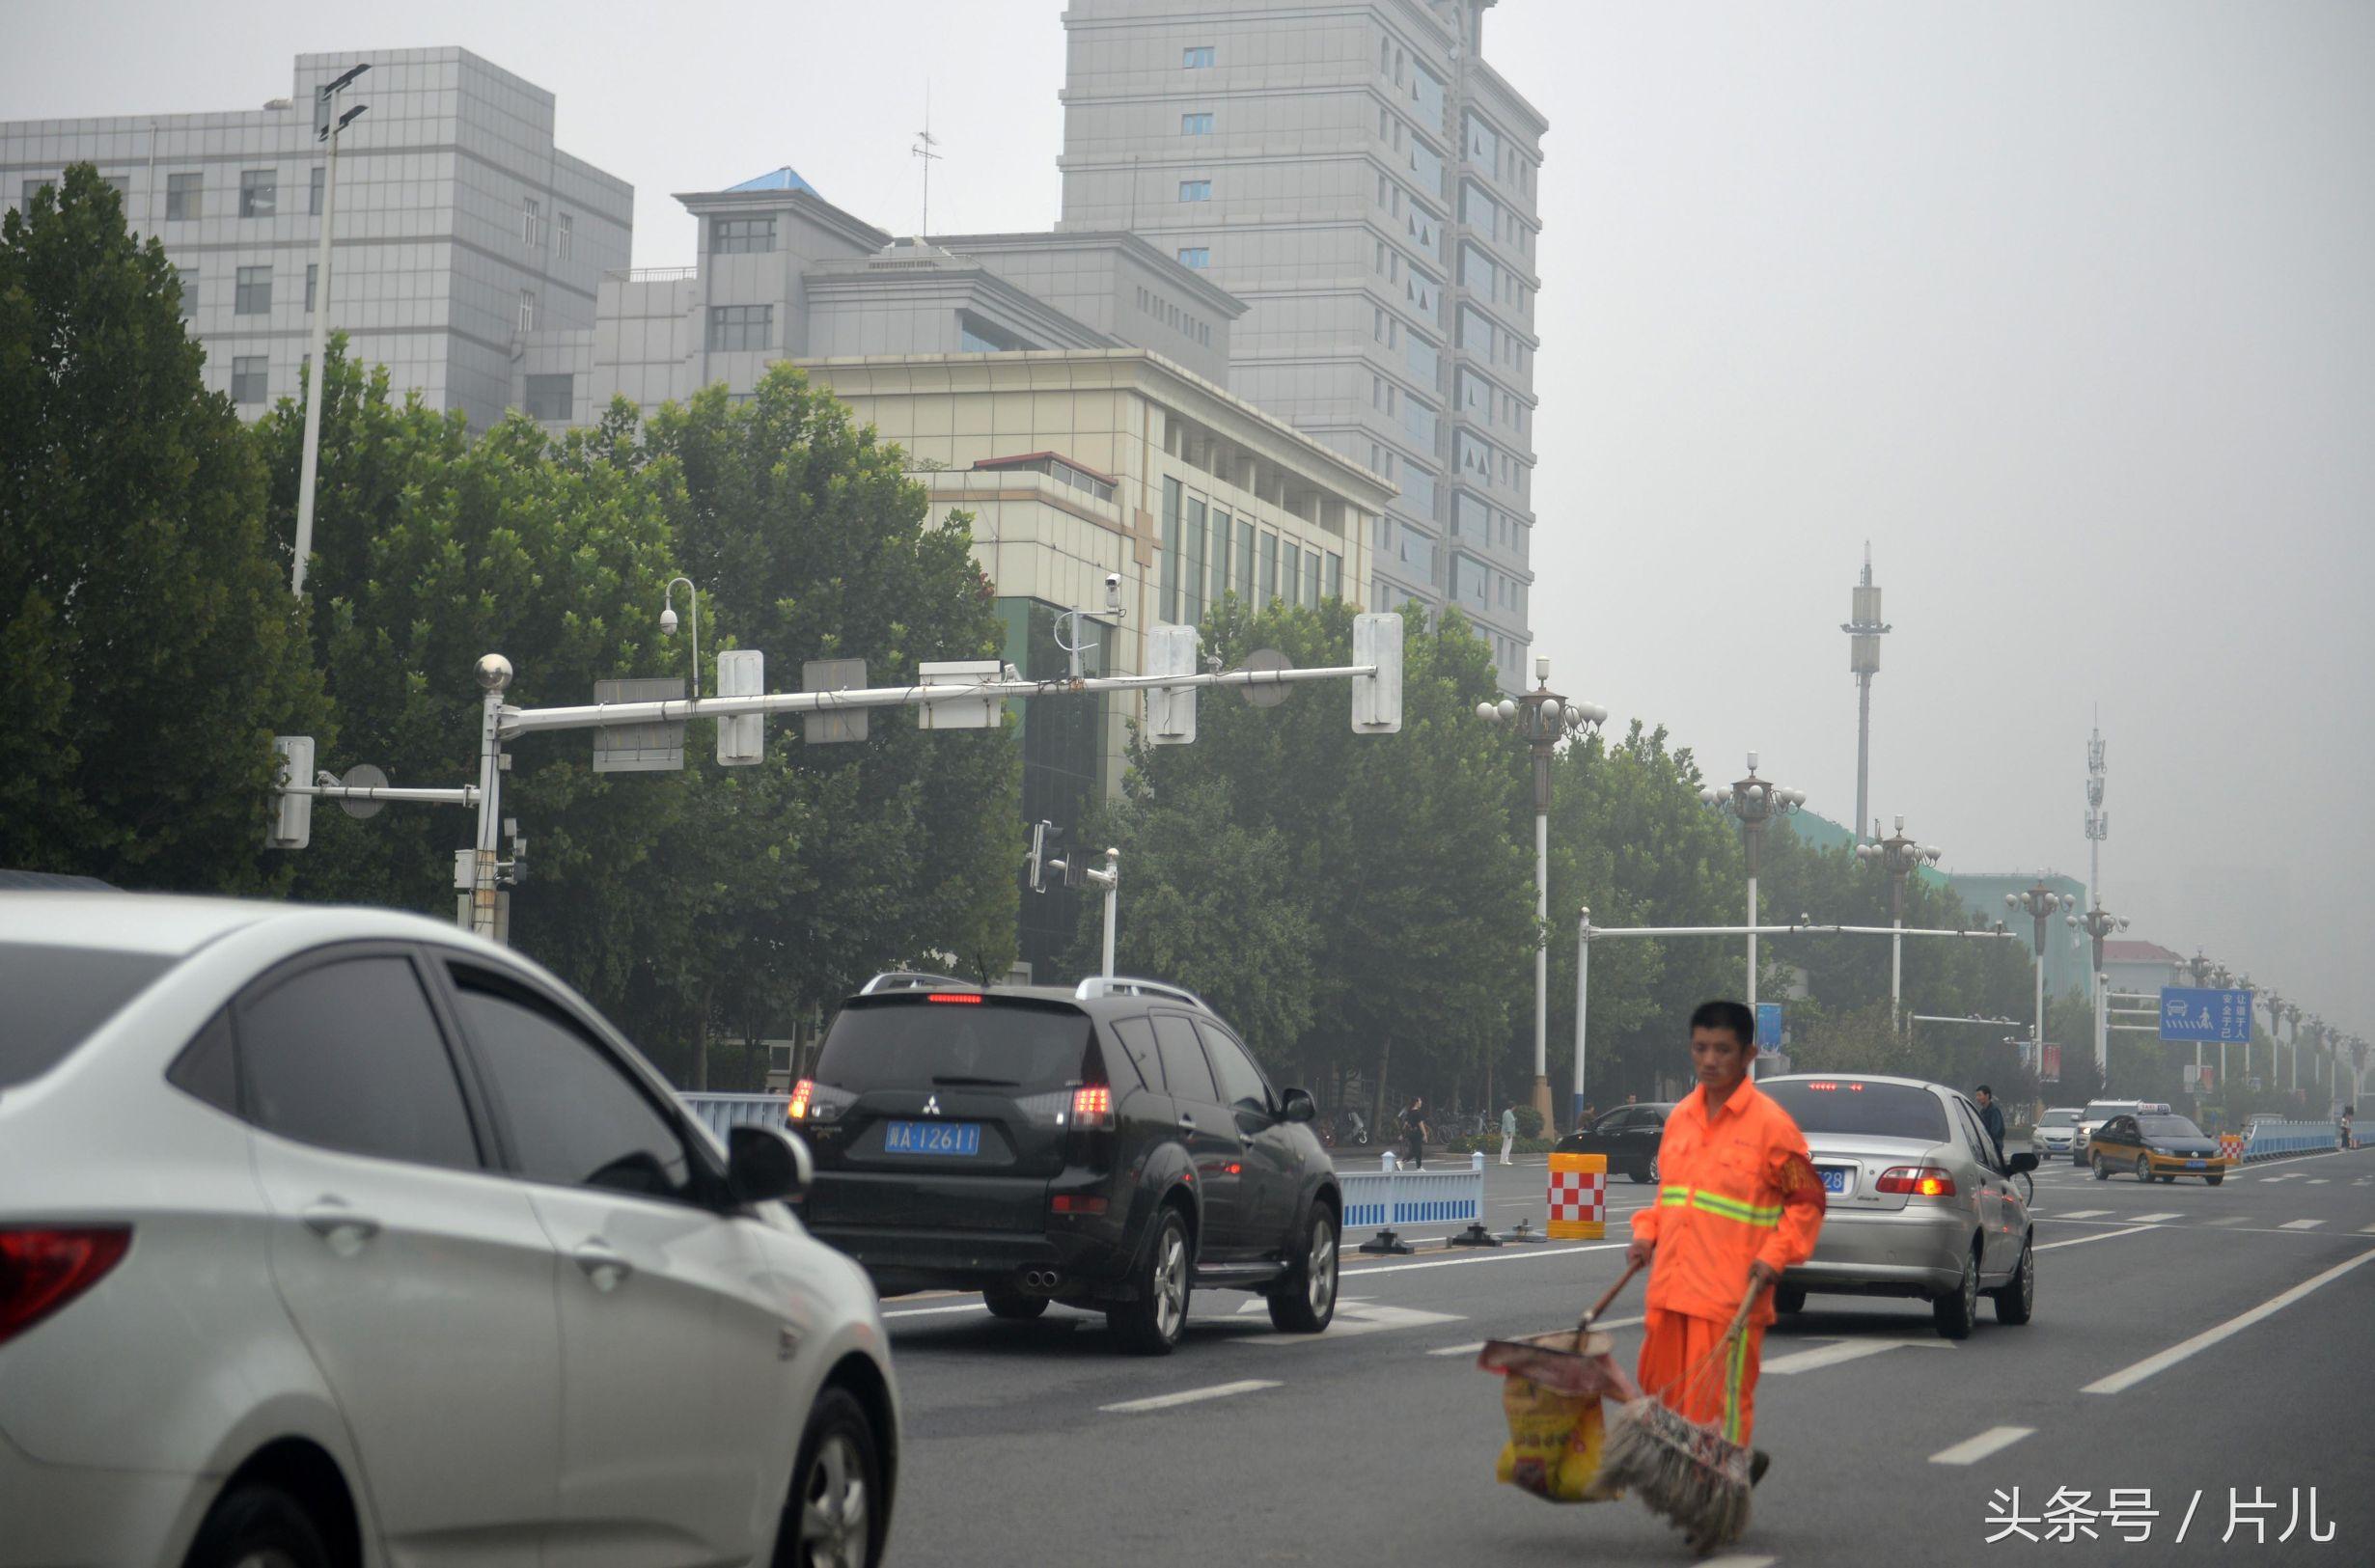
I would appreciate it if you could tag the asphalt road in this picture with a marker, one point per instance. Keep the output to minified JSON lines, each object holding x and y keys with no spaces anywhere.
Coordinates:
{"x":1374,"y":1444}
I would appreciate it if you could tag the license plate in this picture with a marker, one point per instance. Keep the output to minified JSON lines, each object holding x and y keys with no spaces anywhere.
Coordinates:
{"x":1834,"y":1179}
{"x":957,"y":1139}
{"x":2193,"y":1164}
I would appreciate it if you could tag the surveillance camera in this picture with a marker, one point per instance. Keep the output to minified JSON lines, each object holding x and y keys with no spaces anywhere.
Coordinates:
{"x":495,"y":673}
{"x":1112,"y":591}
{"x":668,"y":623}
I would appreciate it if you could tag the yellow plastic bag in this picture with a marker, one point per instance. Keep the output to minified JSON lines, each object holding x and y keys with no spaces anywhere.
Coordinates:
{"x":1550,"y":1395}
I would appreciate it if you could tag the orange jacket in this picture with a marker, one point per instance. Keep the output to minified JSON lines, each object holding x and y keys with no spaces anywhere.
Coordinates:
{"x":1731,"y":1191}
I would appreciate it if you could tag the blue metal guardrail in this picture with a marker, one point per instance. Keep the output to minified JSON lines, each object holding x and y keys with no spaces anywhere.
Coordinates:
{"x":1392,"y":1196}
{"x":2272,"y":1140}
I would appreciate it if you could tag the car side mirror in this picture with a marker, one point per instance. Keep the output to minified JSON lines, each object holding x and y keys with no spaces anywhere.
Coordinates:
{"x":1297,"y":1105}
{"x":2023,"y":1163}
{"x":766,"y":1164}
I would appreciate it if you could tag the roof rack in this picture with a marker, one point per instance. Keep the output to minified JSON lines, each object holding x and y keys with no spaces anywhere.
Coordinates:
{"x":1125,"y":985}
{"x":911,"y":980}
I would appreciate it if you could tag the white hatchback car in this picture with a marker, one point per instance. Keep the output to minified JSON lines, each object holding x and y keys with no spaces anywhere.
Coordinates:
{"x":336,"y":1236}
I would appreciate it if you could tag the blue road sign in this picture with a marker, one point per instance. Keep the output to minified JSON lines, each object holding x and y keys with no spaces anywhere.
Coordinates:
{"x":1768,"y":1026}
{"x":2209,"y":1016}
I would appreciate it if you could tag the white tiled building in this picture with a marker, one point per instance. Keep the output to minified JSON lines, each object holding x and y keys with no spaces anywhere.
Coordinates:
{"x":459,"y":226}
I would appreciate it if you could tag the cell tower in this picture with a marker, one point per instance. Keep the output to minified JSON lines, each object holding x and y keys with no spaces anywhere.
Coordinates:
{"x":2098,"y":820}
{"x":1863,"y":634}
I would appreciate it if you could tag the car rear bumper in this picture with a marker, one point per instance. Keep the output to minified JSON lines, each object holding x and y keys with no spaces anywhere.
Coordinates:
{"x":65,"y":1516}
{"x":1915,"y":1252}
{"x":1037,"y":1263}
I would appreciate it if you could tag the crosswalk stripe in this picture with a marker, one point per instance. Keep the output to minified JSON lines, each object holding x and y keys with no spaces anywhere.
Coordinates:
{"x":2156,"y":1218}
{"x":2083,"y":1214}
{"x":2231,"y":1220}
{"x":2319,"y":1182}
{"x":2301,"y":1225}
{"x":1971,"y":1450}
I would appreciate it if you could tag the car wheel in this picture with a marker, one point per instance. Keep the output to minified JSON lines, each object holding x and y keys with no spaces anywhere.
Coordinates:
{"x":2017,"y":1300}
{"x":1011,"y":1305}
{"x":1150,"y":1324}
{"x":1788,"y":1299}
{"x":2144,"y":1169}
{"x":2215,"y":1177}
{"x":1958,"y":1308}
{"x":833,"y":1517}
{"x":258,"y":1527}
{"x":1304,"y":1301}
{"x":2102,"y":1169}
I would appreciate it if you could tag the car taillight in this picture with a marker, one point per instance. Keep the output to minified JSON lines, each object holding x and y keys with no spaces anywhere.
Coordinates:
{"x":41,"y":1270}
{"x":967,"y":999}
{"x":1916,"y":1180}
{"x":1075,"y":1203}
{"x":1093,"y":1107}
{"x":801,"y":1093}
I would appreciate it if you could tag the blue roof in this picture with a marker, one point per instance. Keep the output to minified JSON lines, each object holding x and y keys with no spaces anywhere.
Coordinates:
{"x":786,"y":178}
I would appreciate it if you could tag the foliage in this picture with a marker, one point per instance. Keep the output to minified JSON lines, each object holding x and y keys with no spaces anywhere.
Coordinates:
{"x":152,"y":646}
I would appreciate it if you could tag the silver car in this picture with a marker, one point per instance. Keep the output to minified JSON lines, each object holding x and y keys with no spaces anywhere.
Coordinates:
{"x":2057,"y":1130}
{"x":1921,"y":1201}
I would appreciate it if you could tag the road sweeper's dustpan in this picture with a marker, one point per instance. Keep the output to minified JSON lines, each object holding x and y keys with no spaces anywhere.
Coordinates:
{"x":1552,"y":1384}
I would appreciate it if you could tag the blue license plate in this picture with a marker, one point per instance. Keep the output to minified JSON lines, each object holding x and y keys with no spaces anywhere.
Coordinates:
{"x":2193,"y":1164}
{"x":1835,"y":1181}
{"x":956,"y":1138}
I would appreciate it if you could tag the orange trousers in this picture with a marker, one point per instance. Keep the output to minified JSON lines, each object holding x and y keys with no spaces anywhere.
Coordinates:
{"x":1723,"y":1393}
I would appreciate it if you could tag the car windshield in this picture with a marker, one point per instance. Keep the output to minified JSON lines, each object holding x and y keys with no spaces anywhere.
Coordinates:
{"x":58,"y":998}
{"x":2059,"y":1118}
{"x":1851,"y":1108}
{"x":2170,"y":1127}
{"x":920,"y":1044}
{"x":2105,"y":1109}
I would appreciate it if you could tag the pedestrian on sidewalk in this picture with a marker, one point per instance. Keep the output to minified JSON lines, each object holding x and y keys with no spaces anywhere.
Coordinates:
{"x":1738,"y":1203}
{"x":1413,"y":1131}
{"x":1508,"y":1130}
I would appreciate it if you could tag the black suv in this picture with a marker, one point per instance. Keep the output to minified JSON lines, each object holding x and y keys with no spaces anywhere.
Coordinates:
{"x":1109,"y":1147}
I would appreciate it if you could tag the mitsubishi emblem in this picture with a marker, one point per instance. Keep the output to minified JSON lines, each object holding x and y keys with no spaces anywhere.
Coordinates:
{"x":931,"y":1105}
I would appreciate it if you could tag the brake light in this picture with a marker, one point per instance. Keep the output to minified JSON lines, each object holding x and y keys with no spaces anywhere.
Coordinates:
{"x":1092,"y":1108}
{"x":970,"y":998}
{"x":43,"y":1270}
{"x":801,"y":1093}
{"x":1916,"y":1180}
{"x":1074,"y":1203}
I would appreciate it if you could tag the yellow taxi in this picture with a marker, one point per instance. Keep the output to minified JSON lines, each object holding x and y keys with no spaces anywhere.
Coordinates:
{"x":2153,"y":1141}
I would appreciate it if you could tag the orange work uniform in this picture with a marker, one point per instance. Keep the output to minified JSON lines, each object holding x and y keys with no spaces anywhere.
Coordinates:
{"x":1734,"y":1187}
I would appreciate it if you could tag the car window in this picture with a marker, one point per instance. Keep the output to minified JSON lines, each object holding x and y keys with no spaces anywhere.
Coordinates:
{"x":2171,"y":1127}
{"x":348,"y":1056}
{"x":575,"y":1118}
{"x":1183,"y":1059}
{"x":1851,"y":1108}
{"x":907,"y":1041}
{"x":209,"y":1067}
{"x":1137,"y":1037}
{"x":1242,"y":1085}
{"x":58,"y":998}
{"x":1974,"y":1134}
{"x":2059,"y":1118}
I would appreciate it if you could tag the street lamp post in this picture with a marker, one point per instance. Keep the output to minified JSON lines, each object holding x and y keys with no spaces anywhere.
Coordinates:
{"x":2098,"y":923}
{"x":327,"y":123}
{"x":2292,"y":1016}
{"x":2043,"y":903}
{"x":2274,"y":1005}
{"x":1543,"y":719}
{"x":1755,"y":801}
{"x":1899,"y":855}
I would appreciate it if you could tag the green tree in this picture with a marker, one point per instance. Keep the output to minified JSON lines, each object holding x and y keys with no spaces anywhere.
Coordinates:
{"x":152,"y":646}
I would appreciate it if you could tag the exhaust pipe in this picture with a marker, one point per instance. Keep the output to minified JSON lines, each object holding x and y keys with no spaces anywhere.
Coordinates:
{"x":1039,"y":1280}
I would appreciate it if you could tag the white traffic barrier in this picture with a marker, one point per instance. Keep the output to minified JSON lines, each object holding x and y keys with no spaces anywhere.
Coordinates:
{"x":1392,"y":1196}
{"x":719,"y":1112}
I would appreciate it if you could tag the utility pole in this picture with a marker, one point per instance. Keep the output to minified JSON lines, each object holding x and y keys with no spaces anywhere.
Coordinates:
{"x":327,"y":123}
{"x":1755,"y":801}
{"x":1864,"y":633}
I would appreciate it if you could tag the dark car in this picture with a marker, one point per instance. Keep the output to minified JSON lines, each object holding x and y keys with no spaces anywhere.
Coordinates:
{"x":1109,"y":1147}
{"x":1627,"y":1134}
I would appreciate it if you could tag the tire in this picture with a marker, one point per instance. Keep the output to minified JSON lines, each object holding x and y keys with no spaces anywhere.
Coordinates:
{"x":258,"y":1527}
{"x":1151,"y":1323}
{"x":2215,"y":1177}
{"x":2101,"y":1170}
{"x":2015,"y":1302}
{"x":1643,"y":1174}
{"x":834,"y":1514}
{"x":1958,"y":1309}
{"x":1789,"y":1299}
{"x":2143,"y":1168}
{"x":1303,"y":1301}
{"x":1015,"y":1308}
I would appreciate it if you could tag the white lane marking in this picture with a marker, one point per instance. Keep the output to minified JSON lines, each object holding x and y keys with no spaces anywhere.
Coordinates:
{"x":1846,"y":1350}
{"x":1971,"y":1450}
{"x":1509,"y":1257}
{"x":2318,"y":1181}
{"x":2156,"y":1218}
{"x":2229,"y":1220}
{"x":1458,"y":1350}
{"x":2081,"y":1240}
{"x":2366,"y":1231}
{"x":2301,"y":1224}
{"x":937,"y":1311}
{"x":2129,"y":1377}
{"x":1737,"y":1559}
{"x":2083,"y":1214}
{"x":1189,"y":1397}
{"x":1357,"y":1317}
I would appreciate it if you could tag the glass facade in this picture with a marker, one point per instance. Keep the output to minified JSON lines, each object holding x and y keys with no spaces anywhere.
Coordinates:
{"x":1168,"y":573}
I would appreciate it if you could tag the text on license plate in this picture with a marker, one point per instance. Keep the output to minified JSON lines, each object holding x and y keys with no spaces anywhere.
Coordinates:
{"x":1834,"y":1179}
{"x":952,"y":1138}
{"x":2193,"y":1164}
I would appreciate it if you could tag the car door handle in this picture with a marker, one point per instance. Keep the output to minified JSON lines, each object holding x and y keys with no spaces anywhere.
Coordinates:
{"x":605,"y":1267}
{"x":334,"y":1222}
{"x":1186,"y":1121}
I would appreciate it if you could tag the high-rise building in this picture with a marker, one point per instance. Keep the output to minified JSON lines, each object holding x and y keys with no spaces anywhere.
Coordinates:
{"x":459,"y":226}
{"x":1357,"y":175}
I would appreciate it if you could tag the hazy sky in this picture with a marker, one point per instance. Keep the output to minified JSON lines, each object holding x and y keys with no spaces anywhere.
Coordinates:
{"x":2070,"y":309}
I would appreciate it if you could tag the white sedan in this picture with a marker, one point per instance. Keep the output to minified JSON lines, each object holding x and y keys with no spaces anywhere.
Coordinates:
{"x":337,"y":1236}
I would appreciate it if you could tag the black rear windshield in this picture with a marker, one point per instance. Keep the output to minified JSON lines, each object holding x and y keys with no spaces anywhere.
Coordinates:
{"x":2168,"y":1127}
{"x":1849,"y":1109}
{"x":923,"y":1044}
{"x":53,"y":999}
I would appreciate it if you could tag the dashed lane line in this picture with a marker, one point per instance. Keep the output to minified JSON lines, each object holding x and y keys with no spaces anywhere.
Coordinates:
{"x":1604,"y":1326}
{"x":1365,"y":1270}
{"x":1737,"y":1559}
{"x":2155,"y":1219}
{"x":2301,"y":1224}
{"x":2129,"y":1377}
{"x":2100,"y":1235}
{"x":2229,"y":1220}
{"x":1190,"y":1396}
{"x":1971,"y":1450}
{"x":2081,"y":1214}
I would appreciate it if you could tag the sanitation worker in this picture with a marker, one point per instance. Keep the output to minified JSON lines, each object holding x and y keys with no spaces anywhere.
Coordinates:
{"x":1738,"y":1202}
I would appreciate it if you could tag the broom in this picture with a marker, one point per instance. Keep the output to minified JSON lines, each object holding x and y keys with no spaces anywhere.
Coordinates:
{"x":1691,"y":1474}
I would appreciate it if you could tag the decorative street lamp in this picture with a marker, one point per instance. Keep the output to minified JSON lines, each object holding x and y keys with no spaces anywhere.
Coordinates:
{"x":2043,"y":903}
{"x":1543,"y":719}
{"x":2292,"y":1016}
{"x":1899,"y":855}
{"x":1755,"y":801}
{"x":2099,"y":922}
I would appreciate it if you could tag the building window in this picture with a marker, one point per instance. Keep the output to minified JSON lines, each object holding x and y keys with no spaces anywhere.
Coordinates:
{"x":32,"y":189}
{"x":569,"y":235}
{"x":1196,"y":255}
{"x":738,"y":327}
{"x":1245,"y":560}
{"x":1197,"y":58}
{"x":1335,"y":575}
{"x":188,"y":275}
{"x":552,"y":396}
{"x":526,"y":310}
{"x":259,"y":192}
{"x":1196,"y":190}
{"x":976,"y":336}
{"x":741,"y":236}
{"x":1269,"y":568}
{"x":312,"y":268}
{"x":315,"y":189}
{"x":247,"y":379}
{"x":1191,"y":565}
{"x":531,"y":222}
{"x":255,"y":291}
{"x":1168,"y":573}
{"x":1196,"y":124}
{"x":184,"y":197}
{"x":122,"y":184}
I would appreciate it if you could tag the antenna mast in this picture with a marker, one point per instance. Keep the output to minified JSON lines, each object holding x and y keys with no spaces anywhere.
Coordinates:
{"x":2098,"y":820}
{"x":923,"y":149}
{"x":1863,"y":634}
